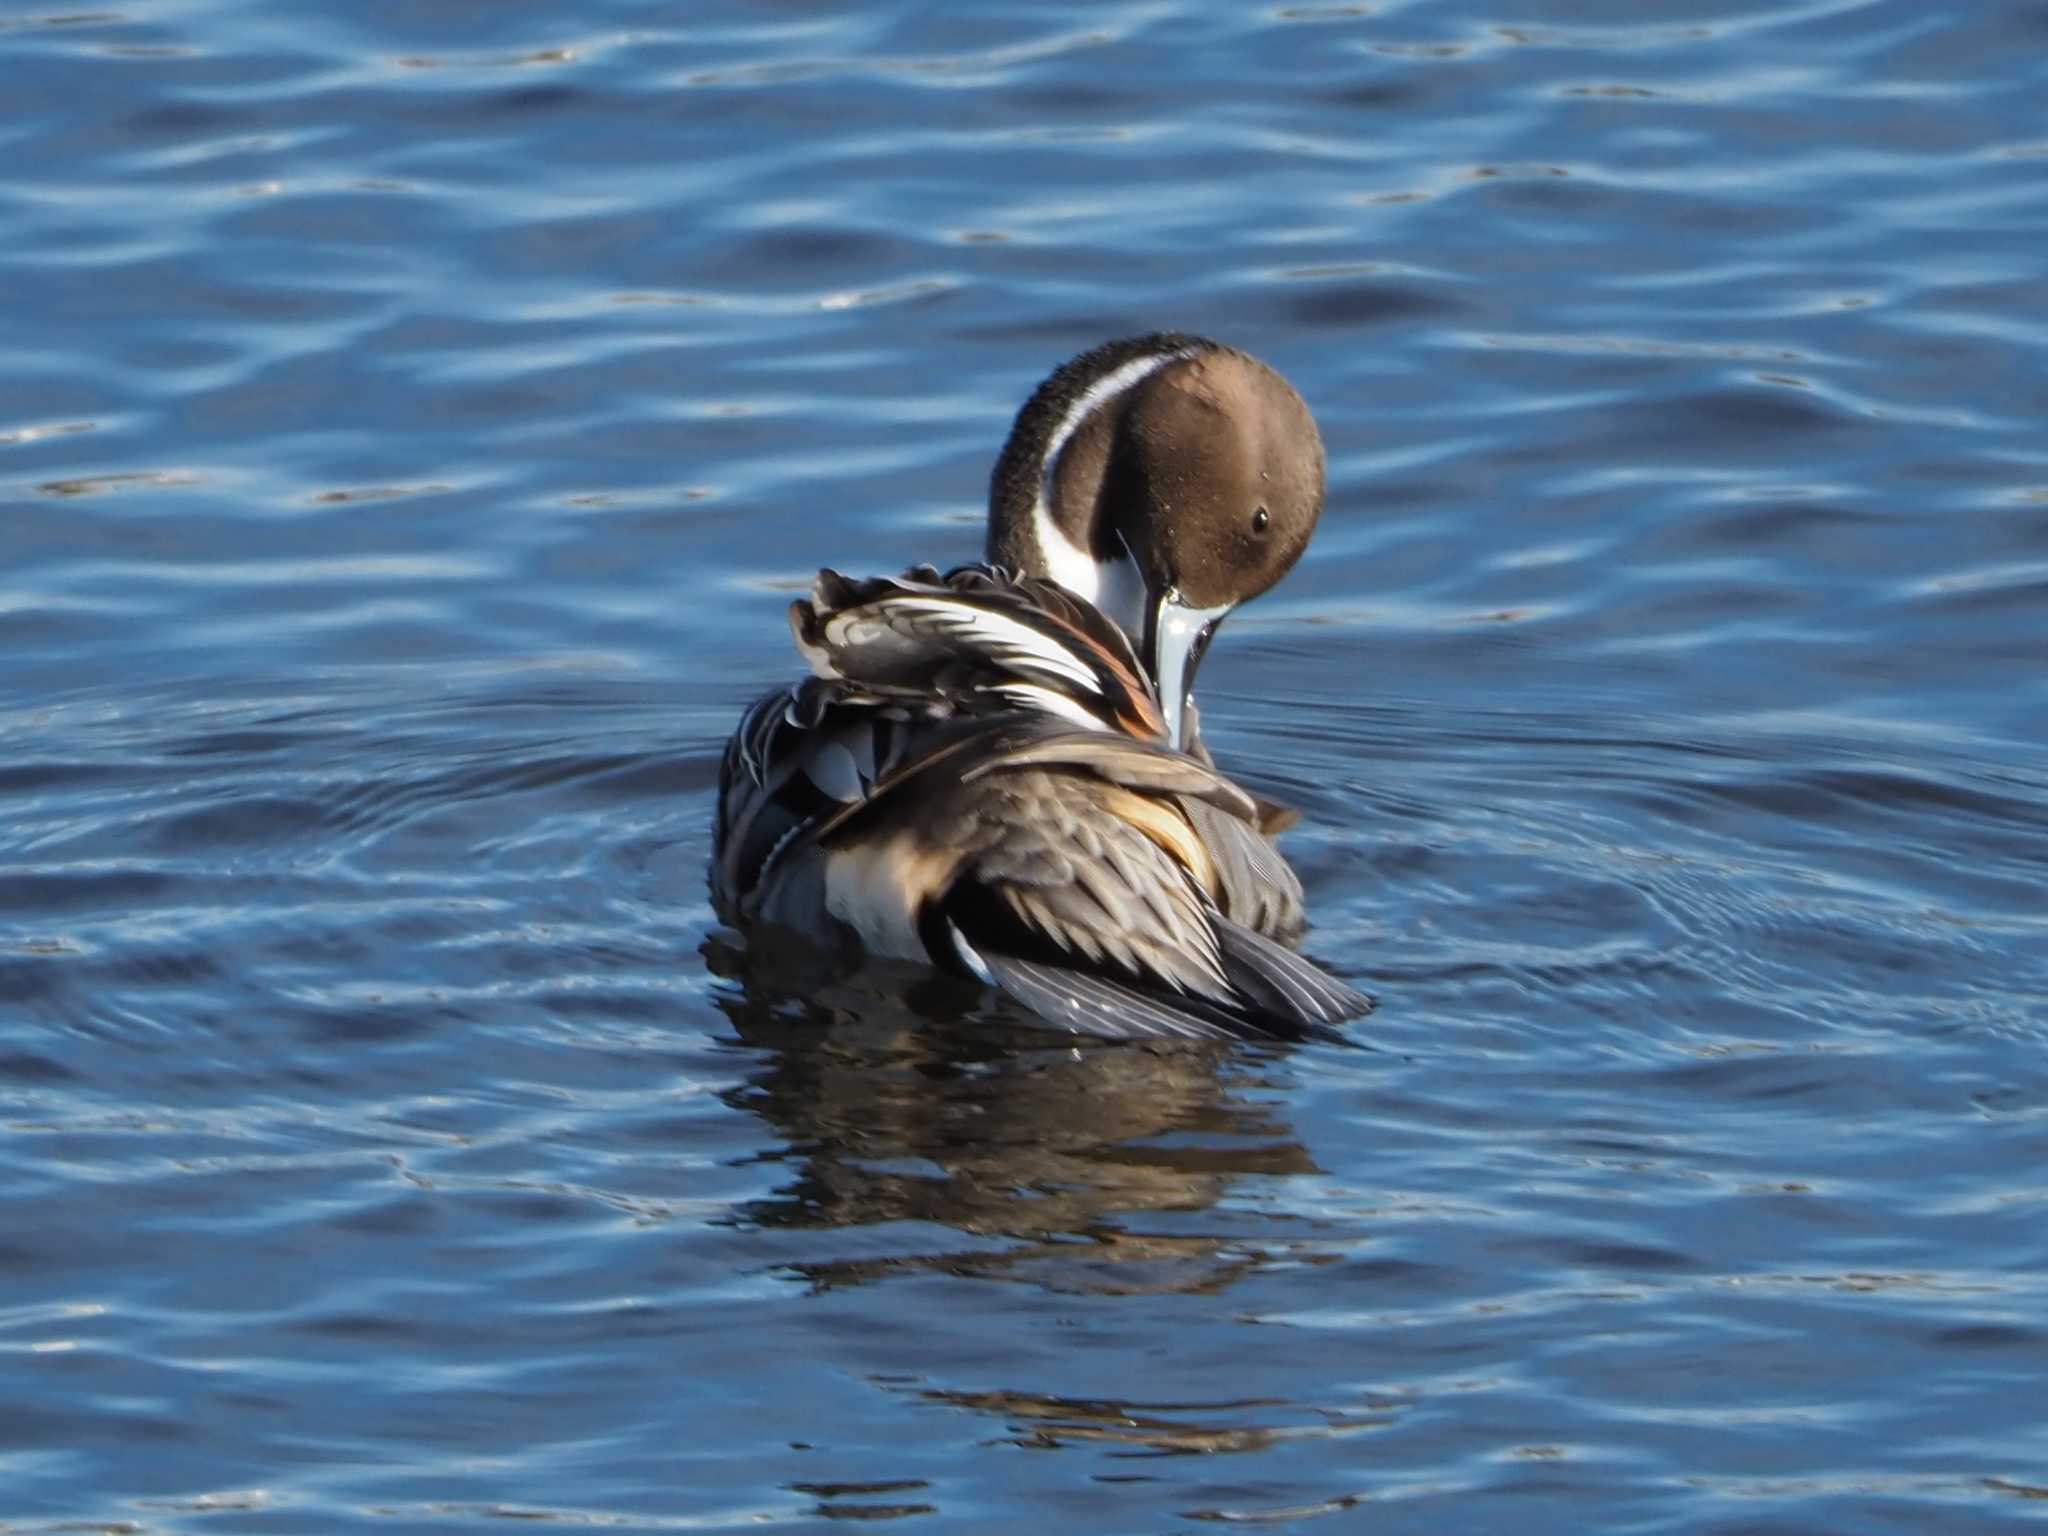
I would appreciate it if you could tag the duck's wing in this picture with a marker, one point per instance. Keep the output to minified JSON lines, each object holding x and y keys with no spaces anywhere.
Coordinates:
{"x":983,"y":756}
{"x":1255,"y":885}
{"x":1084,"y":891}
{"x":981,"y":638}
{"x":911,"y":667}
{"x":1059,"y":866}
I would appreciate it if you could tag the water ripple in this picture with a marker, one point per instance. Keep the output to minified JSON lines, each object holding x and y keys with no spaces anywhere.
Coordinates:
{"x":415,"y":421}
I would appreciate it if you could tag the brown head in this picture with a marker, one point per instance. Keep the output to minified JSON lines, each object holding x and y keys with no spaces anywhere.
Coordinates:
{"x":1166,"y":479}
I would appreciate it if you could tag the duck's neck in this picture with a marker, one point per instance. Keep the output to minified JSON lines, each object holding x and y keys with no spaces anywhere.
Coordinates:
{"x":1048,"y":515}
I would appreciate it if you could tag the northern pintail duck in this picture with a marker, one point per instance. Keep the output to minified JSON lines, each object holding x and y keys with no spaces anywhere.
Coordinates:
{"x":999,"y":770}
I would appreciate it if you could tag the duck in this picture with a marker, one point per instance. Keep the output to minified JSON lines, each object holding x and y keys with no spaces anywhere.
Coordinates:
{"x":998,"y":770}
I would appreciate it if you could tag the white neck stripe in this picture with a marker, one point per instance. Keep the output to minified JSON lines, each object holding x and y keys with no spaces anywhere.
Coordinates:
{"x":1065,"y":562}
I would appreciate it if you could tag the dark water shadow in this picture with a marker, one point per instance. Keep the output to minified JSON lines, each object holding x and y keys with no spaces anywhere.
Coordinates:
{"x":1136,"y":1429}
{"x":903,"y":1097}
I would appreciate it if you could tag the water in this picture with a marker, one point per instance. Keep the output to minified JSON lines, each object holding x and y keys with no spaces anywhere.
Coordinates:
{"x":413,"y":421}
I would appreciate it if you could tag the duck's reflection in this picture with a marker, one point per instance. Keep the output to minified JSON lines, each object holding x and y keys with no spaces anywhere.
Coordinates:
{"x":902,"y":1097}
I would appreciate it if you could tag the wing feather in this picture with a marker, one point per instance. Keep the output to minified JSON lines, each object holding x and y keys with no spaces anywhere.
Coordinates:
{"x":1113,"y":884}
{"x":976,"y":630}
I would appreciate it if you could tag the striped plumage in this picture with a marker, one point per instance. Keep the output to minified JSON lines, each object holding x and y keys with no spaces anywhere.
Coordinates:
{"x":978,"y":774}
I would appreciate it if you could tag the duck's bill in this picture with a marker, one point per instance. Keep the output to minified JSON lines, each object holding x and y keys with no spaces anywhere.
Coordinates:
{"x":1175,"y":638}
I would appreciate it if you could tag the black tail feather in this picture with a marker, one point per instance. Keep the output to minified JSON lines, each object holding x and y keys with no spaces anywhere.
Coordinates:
{"x":1282,"y":997}
{"x":1090,"y":1004}
{"x":1281,"y":983}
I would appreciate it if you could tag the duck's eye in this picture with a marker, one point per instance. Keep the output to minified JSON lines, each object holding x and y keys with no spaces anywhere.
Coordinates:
{"x":1260,"y":519}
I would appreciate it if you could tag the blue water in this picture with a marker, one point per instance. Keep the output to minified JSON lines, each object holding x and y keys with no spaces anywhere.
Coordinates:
{"x":414,"y":419}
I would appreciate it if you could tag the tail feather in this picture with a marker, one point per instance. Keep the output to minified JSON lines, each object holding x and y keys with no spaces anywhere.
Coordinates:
{"x":1284,"y":983}
{"x":1086,"y":1003}
{"x":1270,"y":993}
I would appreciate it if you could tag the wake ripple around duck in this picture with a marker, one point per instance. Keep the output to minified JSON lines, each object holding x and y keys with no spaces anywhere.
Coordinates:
{"x":345,"y":877}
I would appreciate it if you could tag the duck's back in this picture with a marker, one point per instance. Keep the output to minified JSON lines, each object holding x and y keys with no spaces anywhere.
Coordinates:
{"x":909,"y":666}
{"x":977,"y":775}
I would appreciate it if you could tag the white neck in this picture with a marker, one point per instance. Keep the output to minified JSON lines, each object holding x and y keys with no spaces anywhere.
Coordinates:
{"x":1114,"y":586}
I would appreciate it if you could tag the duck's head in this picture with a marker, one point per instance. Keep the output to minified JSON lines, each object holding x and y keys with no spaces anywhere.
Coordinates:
{"x":1166,"y":479}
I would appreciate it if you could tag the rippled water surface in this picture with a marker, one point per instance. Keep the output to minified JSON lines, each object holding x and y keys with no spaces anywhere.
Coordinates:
{"x":413,"y":421}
